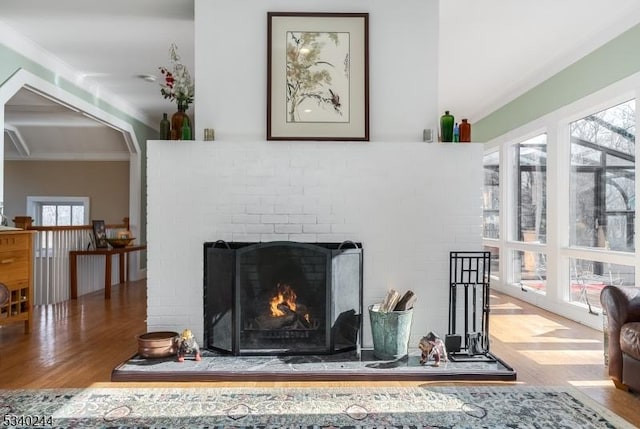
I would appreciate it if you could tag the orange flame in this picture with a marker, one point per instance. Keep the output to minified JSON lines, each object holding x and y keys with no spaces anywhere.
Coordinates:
{"x":285,"y":295}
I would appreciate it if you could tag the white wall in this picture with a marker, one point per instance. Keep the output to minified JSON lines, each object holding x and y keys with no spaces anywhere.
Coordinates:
{"x":231,"y":65}
{"x":408,"y":203}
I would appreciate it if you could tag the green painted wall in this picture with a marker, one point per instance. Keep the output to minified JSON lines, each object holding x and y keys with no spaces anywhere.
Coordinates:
{"x":11,"y":61}
{"x":608,"y":64}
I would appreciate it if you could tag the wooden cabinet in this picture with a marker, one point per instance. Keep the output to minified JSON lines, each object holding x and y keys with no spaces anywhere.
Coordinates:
{"x":16,"y":273}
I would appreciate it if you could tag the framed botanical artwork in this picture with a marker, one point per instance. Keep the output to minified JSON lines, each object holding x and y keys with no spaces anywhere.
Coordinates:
{"x":318,"y":76}
{"x":100,"y":234}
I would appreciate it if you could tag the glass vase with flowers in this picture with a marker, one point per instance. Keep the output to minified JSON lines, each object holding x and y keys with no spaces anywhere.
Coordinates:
{"x":177,"y":86}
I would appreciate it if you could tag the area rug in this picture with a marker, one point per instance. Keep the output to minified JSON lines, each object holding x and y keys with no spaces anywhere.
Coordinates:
{"x":410,"y":407}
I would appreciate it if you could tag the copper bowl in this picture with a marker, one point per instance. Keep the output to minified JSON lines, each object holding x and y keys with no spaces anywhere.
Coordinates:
{"x":157,"y":344}
{"x":120,"y":242}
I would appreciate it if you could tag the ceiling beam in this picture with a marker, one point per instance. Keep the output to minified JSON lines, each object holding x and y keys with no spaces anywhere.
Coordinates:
{"x":18,"y":142}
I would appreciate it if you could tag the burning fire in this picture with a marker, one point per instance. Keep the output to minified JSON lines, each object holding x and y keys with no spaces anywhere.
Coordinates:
{"x":286,"y":296}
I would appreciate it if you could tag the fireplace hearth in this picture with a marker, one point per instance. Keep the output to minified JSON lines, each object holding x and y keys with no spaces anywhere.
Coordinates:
{"x":282,"y":298}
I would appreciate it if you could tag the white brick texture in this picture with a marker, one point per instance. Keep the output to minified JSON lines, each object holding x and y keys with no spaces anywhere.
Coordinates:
{"x":409,"y":204}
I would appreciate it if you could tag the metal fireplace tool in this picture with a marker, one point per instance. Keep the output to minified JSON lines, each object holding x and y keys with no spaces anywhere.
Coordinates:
{"x":469,"y":276}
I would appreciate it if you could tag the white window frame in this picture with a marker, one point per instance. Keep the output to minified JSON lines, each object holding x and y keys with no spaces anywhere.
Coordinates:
{"x":555,"y":124}
{"x":34,"y":203}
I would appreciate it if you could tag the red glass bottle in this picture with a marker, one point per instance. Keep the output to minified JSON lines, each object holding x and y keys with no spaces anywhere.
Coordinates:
{"x":465,"y":131}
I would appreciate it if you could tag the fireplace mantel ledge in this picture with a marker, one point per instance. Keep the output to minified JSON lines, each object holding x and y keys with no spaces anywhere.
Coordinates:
{"x":321,"y":143}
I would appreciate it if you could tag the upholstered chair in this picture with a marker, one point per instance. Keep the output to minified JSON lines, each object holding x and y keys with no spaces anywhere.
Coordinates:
{"x":622,"y":307}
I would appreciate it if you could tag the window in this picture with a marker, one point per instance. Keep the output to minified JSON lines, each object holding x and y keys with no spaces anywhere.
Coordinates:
{"x":495,"y":261}
{"x":58,"y":211}
{"x":530,"y":270}
{"x":61,"y":214}
{"x":602,"y":184}
{"x":531,"y":200}
{"x":589,"y":146}
{"x":589,"y":277}
{"x":491,"y":195}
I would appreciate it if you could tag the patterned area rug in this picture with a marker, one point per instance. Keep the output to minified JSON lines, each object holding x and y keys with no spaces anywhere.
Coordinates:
{"x":411,"y":407}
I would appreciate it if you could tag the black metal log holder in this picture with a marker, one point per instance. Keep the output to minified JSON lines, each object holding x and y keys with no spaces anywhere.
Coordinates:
{"x":469,"y":274}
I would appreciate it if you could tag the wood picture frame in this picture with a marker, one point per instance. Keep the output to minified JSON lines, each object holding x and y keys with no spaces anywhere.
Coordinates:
{"x":318,"y":76}
{"x":100,"y":234}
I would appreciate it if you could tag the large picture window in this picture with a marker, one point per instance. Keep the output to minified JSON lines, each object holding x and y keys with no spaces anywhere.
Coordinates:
{"x":566,"y":227}
{"x":602,"y":181}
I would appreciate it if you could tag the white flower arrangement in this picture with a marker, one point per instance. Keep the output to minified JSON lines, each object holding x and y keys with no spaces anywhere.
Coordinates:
{"x":177,"y":84}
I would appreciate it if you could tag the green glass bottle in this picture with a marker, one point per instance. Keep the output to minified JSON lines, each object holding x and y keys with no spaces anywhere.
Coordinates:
{"x":185,"y":132}
{"x":446,"y":127}
{"x":165,"y":128}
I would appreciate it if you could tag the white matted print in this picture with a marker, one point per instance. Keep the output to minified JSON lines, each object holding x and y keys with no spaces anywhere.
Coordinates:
{"x":317,"y":76}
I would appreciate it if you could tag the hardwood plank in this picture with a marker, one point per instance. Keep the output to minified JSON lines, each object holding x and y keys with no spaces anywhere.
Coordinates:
{"x":78,"y":342}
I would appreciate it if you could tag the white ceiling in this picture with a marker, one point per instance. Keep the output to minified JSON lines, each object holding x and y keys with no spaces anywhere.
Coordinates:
{"x":108,"y":44}
{"x":490,"y":52}
{"x":37,"y":128}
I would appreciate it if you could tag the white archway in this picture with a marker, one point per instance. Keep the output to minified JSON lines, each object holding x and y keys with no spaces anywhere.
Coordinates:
{"x":25,"y":79}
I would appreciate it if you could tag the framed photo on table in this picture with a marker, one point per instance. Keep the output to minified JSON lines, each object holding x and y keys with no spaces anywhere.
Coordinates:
{"x":100,"y":234}
{"x":318,"y":76}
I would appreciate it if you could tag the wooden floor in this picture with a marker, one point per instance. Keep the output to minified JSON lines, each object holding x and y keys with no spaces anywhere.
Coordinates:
{"x":78,"y":343}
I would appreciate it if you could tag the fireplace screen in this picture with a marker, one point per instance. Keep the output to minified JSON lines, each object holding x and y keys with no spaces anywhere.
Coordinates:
{"x":282,"y":297}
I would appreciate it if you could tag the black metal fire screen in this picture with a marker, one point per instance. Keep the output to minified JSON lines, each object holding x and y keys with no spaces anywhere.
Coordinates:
{"x":282,"y":297}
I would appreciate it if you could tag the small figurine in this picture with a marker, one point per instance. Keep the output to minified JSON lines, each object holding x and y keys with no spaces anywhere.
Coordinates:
{"x":187,"y":345}
{"x":432,"y":345}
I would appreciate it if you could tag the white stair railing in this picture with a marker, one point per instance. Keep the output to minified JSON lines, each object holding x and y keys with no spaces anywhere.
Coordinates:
{"x":51,"y":262}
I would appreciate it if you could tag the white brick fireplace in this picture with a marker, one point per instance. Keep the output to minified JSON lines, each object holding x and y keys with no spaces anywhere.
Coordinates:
{"x":409,"y":204}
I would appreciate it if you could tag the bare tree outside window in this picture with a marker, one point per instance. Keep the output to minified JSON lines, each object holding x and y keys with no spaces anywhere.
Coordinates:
{"x":61,"y":214}
{"x":531,"y":192}
{"x":602,"y":185}
{"x":491,"y":195}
